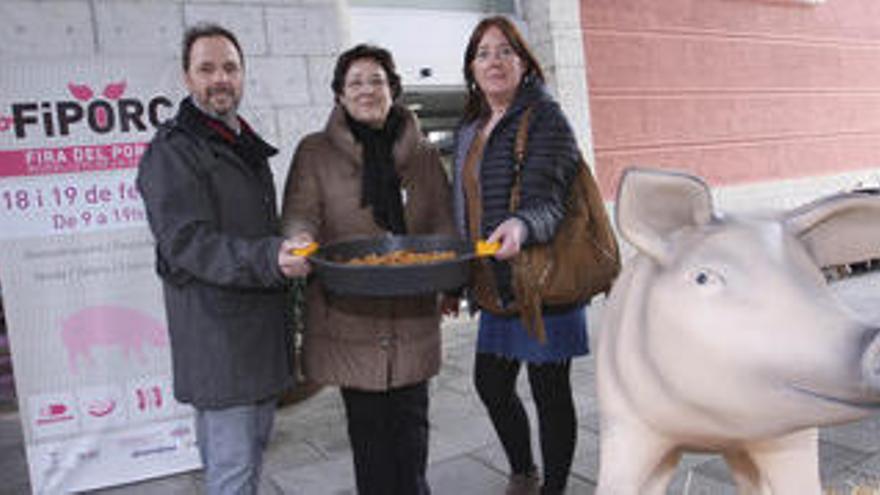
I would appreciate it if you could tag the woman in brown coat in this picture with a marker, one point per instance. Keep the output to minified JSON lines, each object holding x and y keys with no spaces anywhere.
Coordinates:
{"x":369,"y":173}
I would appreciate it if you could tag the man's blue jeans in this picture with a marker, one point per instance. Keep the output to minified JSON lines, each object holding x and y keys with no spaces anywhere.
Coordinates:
{"x":231,"y":443}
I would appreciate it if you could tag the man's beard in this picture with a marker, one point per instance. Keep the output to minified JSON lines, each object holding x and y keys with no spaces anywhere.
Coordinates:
{"x":222,"y":90}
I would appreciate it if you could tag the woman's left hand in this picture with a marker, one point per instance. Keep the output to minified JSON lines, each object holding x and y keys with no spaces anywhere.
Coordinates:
{"x":511,"y":233}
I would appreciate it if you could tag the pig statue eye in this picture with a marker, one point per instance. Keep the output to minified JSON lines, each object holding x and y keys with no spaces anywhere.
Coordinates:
{"x":706,"y":277}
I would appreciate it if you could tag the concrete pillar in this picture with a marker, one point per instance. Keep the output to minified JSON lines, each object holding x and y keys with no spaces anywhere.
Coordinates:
{"x":555,"y":35}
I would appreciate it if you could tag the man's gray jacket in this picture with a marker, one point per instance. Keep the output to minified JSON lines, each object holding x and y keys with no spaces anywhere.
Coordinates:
{"x":211,"y":206}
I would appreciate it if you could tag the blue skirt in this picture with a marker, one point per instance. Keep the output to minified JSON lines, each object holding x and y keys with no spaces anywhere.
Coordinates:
{"x":505,"y":336}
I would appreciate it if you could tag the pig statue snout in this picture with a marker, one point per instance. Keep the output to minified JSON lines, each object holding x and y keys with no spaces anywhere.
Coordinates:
{"x":721,"y":334}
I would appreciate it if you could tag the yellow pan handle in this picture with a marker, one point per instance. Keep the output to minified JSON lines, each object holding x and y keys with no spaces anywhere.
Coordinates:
{"x":484,"y":248}
{"x":310,"y":248}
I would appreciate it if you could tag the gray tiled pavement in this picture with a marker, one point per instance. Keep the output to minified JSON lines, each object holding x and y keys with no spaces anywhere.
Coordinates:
{"x":309,"y":454}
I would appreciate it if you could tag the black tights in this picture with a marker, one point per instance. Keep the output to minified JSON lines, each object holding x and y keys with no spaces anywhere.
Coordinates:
{"x":495,"y":379}
{"x":389,"y":439}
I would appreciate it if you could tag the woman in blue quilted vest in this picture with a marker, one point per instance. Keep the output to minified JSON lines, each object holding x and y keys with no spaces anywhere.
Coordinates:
{"x":504,"y":80}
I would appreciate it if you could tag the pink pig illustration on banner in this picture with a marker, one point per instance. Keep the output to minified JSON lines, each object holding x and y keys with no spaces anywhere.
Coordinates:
{"x":109,"y":326}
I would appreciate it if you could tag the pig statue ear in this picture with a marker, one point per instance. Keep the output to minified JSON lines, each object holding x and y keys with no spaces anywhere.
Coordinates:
{"x":839,"y":229}
{"x":652,"y":204}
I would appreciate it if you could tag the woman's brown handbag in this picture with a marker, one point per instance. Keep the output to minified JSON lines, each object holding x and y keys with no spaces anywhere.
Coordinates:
{"x":580,"y":261}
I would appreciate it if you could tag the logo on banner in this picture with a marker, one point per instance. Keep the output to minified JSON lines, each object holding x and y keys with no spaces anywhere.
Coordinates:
{"x":101,"y":115}
{"x":184,"y":436}
{"x":100,"y":407}
{"x":150,"y":398}
{"x":158,"y":443}
{"x":89,"y":127}
{"x":180,"y":431}
{"x":53,"y":414}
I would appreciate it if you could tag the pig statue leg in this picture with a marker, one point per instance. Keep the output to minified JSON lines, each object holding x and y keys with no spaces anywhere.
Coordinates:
{"x":745,"y":474}
{"x":663,"y":473}
{"x":634,"y":460}
{"x":789,"y":464}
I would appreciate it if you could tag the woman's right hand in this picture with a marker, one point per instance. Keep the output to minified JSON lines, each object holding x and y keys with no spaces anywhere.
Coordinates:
{"x":511,"y":233}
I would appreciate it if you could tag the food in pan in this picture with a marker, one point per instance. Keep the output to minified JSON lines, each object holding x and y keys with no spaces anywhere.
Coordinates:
{"x":402,"y":257}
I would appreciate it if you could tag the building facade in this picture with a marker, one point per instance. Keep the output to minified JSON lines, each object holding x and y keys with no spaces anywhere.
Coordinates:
{"x":772,"y":101}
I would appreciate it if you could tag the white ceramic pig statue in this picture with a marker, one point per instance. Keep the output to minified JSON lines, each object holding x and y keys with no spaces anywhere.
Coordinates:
{"x":721,"y":335}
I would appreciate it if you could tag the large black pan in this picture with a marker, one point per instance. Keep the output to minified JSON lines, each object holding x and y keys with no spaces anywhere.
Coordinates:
{"x":331,"y":267}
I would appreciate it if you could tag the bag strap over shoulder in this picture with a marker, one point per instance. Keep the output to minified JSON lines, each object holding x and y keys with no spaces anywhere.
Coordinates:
{"x":519,"y":156}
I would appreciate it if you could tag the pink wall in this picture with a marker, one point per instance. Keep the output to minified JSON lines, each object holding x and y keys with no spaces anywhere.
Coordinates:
{"x":736,"y":91}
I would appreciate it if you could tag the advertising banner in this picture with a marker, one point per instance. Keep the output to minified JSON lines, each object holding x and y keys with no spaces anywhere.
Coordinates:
{"x":83,"y":305}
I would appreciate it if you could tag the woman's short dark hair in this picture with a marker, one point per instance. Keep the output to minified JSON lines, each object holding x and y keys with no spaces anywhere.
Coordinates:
{"x":205,"y":30}
{"x":362,"y":51}
{"x":475,"y":103}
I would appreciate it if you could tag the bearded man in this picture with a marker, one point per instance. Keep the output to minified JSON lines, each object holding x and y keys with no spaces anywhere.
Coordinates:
{"x":210,"y":199}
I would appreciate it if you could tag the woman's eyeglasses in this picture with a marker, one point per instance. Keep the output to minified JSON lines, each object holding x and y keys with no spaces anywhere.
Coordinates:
{"x":503,"y":52}
{"x":372,"y":83}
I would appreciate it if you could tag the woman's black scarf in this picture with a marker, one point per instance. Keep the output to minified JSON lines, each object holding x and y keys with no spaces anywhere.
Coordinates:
{"x":380,"y":184}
